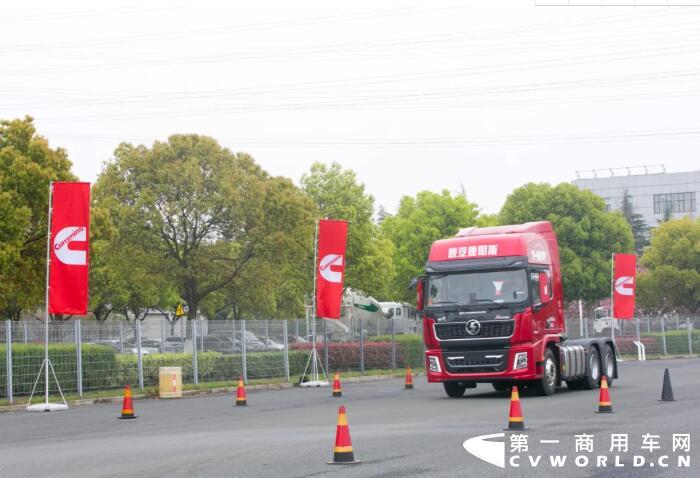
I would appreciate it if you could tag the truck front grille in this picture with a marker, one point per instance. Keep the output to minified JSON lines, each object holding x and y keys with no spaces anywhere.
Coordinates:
{"x":458,"y":330}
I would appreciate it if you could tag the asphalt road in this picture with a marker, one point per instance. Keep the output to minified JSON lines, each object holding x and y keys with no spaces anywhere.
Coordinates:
{"x":290,"y":433}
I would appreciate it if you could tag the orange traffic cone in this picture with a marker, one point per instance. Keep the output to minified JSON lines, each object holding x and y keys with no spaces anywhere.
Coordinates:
{"x":604,"y":403}
{"x":127,"y":405}
{"x":409,"y":379}
{"x":240,"y":394}
{"x":515,"y":417}
{"x":342,"y":452}
{"x":337,"y":391}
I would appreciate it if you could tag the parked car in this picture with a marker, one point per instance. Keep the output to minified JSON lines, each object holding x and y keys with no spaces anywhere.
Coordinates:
{"x":273,"y":345}
{"x":177,"y":344}
{"x":151,"y":346}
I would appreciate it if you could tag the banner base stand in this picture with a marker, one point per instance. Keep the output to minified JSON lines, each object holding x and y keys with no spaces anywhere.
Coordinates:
{"x":315,"y":383}
{"x":47,"y":407}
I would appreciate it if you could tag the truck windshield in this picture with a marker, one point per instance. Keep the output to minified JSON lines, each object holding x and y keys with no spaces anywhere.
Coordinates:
{"x":500,"y":287}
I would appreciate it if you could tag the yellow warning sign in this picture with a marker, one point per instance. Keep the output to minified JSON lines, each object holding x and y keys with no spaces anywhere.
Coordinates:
{"x":180,"y":311}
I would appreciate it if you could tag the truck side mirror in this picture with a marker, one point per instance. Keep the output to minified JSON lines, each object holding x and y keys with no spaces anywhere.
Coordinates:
{"x":544,"y":288}
{"x":419,"y":294}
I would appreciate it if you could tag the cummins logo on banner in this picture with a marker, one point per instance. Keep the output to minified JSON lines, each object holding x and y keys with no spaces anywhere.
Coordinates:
{"x":68,"y":255}
{"x":61,"y":244}
{"x":625,"y":269}
{"x":330,"y":269}
{"x":326,"y":268}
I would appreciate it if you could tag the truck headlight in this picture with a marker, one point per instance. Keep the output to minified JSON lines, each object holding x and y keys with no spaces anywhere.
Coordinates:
{"x":434,"y":364}
{"x":520,"y":361}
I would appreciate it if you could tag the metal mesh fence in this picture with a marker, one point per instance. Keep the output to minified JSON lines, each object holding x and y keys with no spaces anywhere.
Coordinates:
{"x":655,"y":336}
{"x":90,"y":356}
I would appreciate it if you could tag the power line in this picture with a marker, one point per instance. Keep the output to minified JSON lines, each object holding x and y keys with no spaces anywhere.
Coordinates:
{"x":591,"y":137}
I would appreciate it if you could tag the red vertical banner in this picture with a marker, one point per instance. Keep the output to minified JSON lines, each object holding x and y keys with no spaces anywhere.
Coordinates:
{"x":624,"y":282}
{"x":68,"y":248}
{"x":330,"y":267}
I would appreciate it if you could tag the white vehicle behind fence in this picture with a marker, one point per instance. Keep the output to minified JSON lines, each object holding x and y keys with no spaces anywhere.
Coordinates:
{"x":402,"y":314}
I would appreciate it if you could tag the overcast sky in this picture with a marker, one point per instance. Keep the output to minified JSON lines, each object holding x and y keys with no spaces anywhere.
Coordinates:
{"x":412,"y":95}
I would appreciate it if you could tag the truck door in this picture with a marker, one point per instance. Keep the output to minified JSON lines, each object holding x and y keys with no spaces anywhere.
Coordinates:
{"x":544,"y":314}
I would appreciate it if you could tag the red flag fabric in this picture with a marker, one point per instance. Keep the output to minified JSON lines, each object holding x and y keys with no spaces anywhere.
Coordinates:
{"x":624,"y":278}
{"x":68,"y":245}
{"x":330,"y":268}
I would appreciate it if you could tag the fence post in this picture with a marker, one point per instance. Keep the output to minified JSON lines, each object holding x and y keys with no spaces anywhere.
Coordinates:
{"x":26,"y":332}
{"x":296,"y":329}
{"x":163,"y":333}
{"x":8,"y":356}
{"x":325,"y":345}
{"x":79,"y":353}
{"x":244,"y":358}
{"x":393,"y":344}
{"x":690,"y":336}
{"x":267,"y":334}
{"x":121,"y":337}
{"x":362,"y":346}
{"x":663,"y":335}
{"x":139,"y":357}
{"x":286,"y":349}
{"x":195,"y":366}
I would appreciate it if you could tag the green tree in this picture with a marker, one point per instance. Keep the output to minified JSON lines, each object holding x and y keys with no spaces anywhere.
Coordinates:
{"x":339,"y":195}
{"x":203,"y":215}
{"x":671,"y":280}
{"x":27,"y":165}
{"x":124,"y":279}
{"x":587,"y":234}
{"x":640,"y":231}
{"x":419,"y":222}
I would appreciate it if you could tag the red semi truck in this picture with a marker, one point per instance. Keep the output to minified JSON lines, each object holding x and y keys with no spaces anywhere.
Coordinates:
{"x":492,"y":307}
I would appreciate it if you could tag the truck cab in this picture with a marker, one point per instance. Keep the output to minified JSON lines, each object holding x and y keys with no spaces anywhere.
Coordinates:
{"x":492,"y":307}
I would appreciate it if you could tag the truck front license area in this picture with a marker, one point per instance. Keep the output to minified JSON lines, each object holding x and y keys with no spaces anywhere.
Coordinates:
{"x":480,"y":365}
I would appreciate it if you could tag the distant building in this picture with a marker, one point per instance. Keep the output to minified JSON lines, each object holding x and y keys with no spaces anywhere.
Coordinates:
{"x":652,"y":193}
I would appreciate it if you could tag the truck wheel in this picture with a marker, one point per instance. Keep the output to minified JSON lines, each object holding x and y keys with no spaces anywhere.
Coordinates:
{"x":609,"y":364}
{"x":501,"y":386}
{"x":591,"y":379}
{"x":454,"y":389}
{"x":546,"y":385}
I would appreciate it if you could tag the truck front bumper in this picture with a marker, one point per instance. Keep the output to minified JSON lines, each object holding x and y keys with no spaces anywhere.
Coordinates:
{"x":516,"y":364}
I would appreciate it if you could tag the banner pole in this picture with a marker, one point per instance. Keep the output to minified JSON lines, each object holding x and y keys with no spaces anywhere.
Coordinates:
{"x":46,"y":406}
{"x":46,"y":318}
{"x":613,"y":320}
{"x":315,"y":380}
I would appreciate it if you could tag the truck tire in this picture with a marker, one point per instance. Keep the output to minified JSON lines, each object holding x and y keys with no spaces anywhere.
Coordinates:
{"x":591,"y":379}
{"x":547,"y":384}
{"x":608,"y":364}
{"x":454,"y":389}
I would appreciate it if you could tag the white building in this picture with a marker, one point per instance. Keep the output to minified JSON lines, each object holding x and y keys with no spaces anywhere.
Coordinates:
{"x":651,"y":193}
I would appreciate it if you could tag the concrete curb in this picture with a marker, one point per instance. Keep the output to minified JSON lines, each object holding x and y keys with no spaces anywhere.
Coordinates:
{"x":212,"y":391}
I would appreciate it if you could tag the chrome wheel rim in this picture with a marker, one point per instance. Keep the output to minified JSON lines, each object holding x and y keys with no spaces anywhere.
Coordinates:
{"x":550,"y":372}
